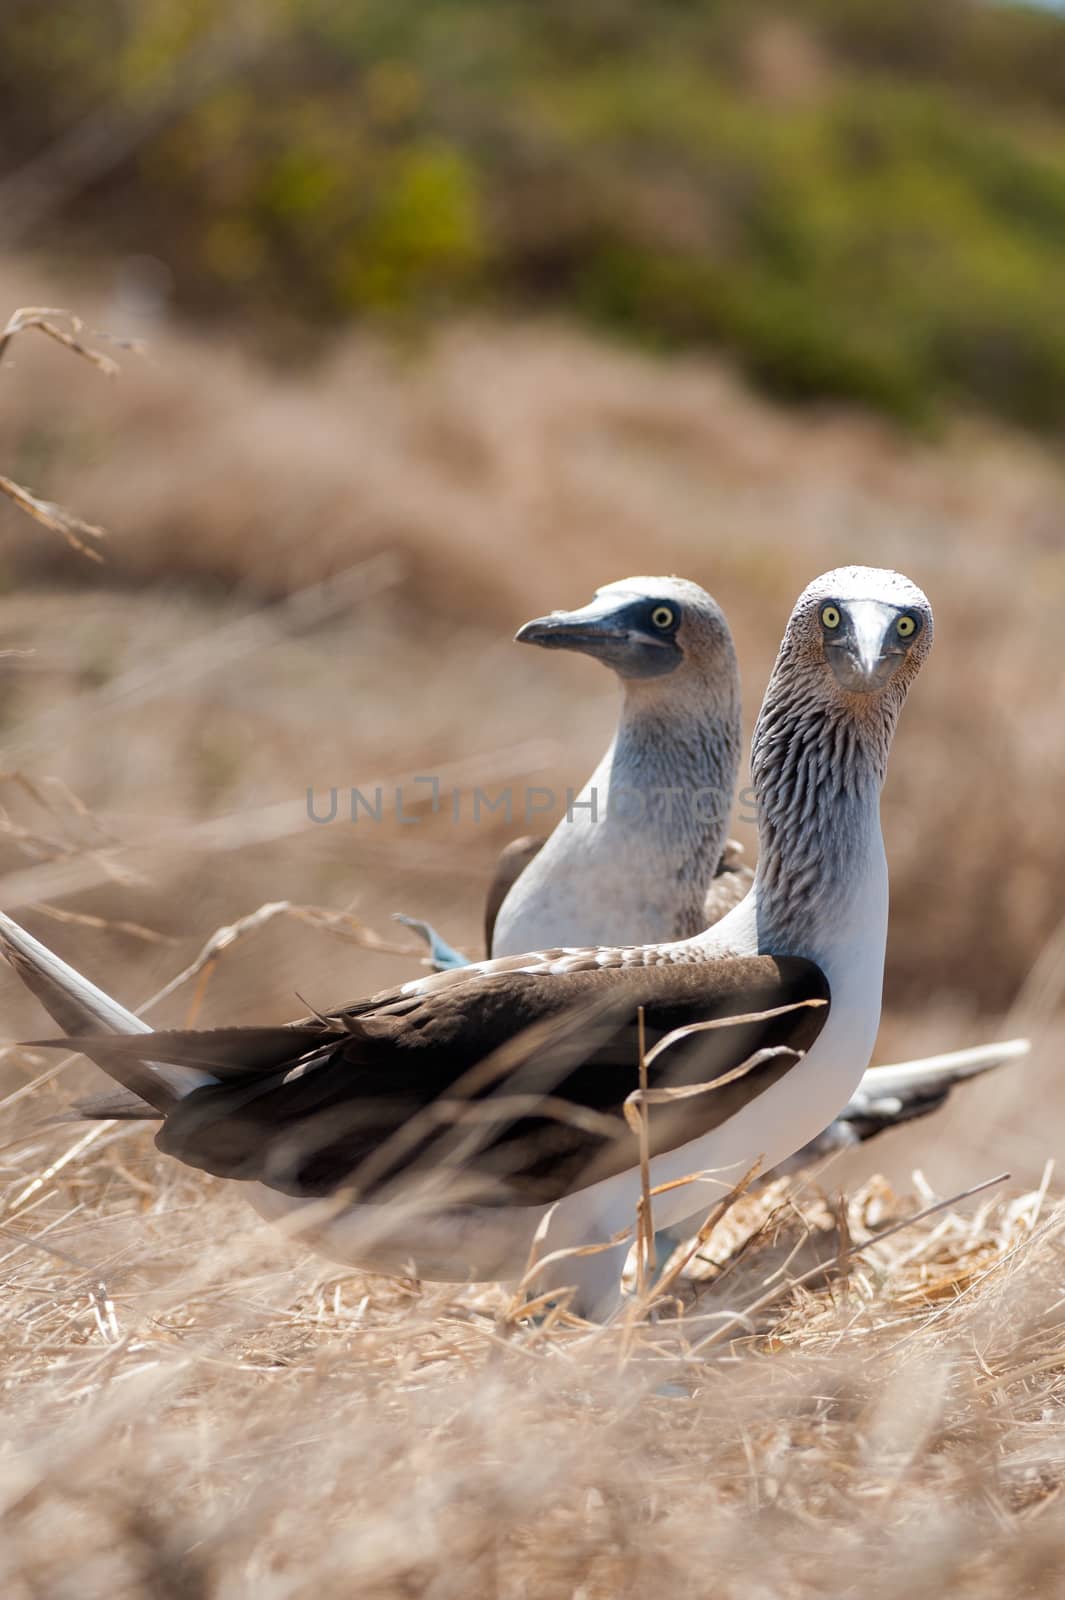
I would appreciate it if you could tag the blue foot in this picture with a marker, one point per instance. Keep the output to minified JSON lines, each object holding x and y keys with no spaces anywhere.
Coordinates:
{"x":666,"y":1242}
{"x":441,"y":954}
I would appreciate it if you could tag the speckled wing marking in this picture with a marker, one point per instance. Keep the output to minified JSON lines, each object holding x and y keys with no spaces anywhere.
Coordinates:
{"x":563,"y":959}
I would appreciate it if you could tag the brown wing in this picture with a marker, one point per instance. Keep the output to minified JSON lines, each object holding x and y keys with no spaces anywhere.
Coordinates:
{"x":516,"y":1081}
{"x":511,"y":864}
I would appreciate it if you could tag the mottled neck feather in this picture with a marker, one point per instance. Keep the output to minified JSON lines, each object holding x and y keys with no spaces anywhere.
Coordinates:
{"x":818,"y":763}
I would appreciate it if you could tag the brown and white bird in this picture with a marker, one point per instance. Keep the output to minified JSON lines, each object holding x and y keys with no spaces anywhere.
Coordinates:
{"x":444,"y":1126}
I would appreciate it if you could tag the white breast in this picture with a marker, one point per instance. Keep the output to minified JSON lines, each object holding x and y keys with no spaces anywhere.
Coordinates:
{"x":602,"y":878}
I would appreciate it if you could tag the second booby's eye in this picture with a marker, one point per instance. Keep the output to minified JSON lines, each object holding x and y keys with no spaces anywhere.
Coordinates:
{"x":662,"y":617}
{"x":906,"y":627}
{"x":830,"y":616}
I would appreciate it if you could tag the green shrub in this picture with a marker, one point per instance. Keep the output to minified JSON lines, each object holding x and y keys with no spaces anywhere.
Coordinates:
{"x":857,"y":198}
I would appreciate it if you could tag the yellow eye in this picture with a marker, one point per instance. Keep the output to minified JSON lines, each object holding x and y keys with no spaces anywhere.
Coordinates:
{"x":906,"y":627}
{"x":830,"y":616}
{"x":662,"y":617}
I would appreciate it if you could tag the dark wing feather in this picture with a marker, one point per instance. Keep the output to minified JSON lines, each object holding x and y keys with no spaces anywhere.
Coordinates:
{"x":114,"y":1105}
{"x":513,"y":860}
{"x":224,"y":1052}
{"x":519,"y":1080}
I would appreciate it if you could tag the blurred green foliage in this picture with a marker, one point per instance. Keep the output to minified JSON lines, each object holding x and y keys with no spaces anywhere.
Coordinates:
{"x":858,"y":198}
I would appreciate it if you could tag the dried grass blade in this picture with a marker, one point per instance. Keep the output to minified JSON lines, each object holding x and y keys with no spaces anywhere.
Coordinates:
{"x":73,"y":529}
{"x":40,"y":317}
{"x":728,"y":1022}
{"x":646,"y":1257}
{"x":643,"y":1097}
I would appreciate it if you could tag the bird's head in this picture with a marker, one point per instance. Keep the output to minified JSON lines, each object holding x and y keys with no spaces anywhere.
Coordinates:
{"x":643,"y":628}
{"x":862,"y":631}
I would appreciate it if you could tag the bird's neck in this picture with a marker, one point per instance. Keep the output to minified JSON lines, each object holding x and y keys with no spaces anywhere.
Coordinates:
{"x":817,"y":769}
{"x":668,"y":782}
{"x":654,"y":813}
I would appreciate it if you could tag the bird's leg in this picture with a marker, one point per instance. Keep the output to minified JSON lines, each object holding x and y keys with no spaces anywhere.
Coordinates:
{"x":442,"y":956}
{"x":667,"y":1241}
{"x":594,"y":1278}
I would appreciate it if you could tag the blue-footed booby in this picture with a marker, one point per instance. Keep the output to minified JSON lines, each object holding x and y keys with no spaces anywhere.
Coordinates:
{"x":465,"y":1119}
{"x":639,"y":856}
{"x":642,"y":854}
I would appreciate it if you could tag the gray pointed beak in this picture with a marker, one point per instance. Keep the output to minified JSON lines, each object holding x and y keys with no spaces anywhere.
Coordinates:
{"x":588,"y":629}
{"x":864,"y":659}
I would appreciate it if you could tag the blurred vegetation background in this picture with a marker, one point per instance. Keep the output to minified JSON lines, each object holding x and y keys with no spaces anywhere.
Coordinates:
{"x":860,"y":199}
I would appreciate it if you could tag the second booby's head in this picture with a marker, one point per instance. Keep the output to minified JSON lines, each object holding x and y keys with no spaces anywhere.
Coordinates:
{"x":644,"y":628}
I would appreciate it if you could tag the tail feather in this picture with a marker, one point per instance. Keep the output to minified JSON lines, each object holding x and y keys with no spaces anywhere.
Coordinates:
{"x":907,"y":1090}
{"x":911,"y":1082}
{"x":218,"y":1053}
{"x":83,"y":1010}
{"x":890,"y":1096}
{"x":69,"y":998}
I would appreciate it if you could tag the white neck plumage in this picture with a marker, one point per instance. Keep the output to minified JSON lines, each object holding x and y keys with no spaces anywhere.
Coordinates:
{"x":680,"y":770}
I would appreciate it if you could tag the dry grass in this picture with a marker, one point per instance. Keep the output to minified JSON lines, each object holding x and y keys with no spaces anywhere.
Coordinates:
{"x":310,"y":580}
{"x":65,"y":329}
{"x":201,"y":1418}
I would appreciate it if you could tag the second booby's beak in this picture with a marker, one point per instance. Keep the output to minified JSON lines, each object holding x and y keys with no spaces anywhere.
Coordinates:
{"x":593,"y":629}
{"x":867,"y":652}
{"x":634,"y":634}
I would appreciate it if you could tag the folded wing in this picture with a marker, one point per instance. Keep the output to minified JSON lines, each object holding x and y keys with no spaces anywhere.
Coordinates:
{"x":515,"y":1082}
